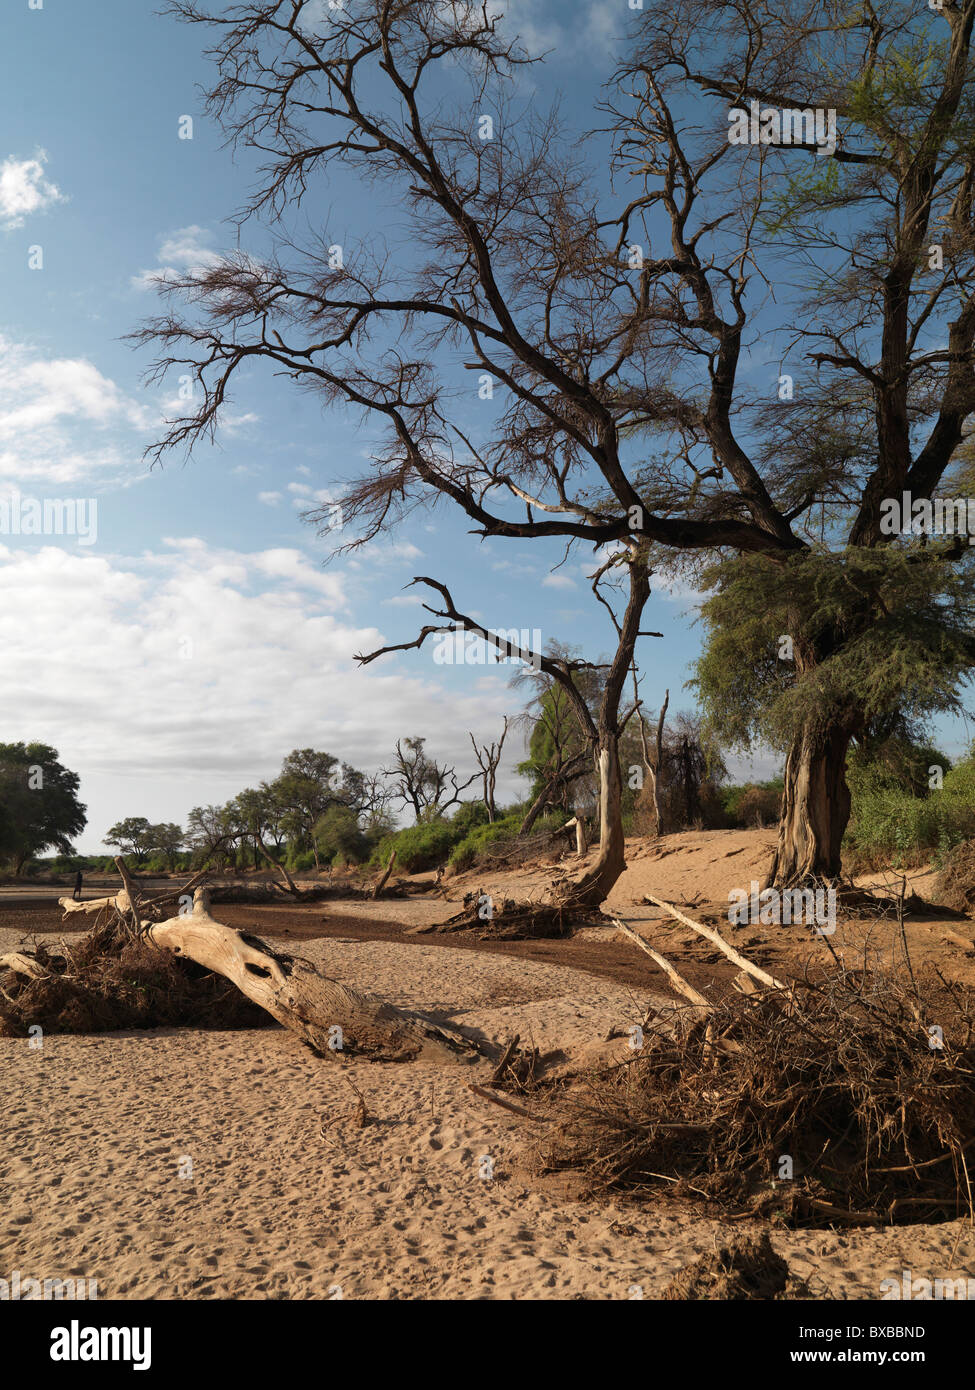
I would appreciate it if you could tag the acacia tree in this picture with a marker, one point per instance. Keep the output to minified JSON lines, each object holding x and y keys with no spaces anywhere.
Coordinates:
{"x":522,"y":266}
{"x":308,"y":786}
{"x":835,"y":621}
{"x":520,"y":282}
{"x":39,"y":806}
{"x":134,"y":835}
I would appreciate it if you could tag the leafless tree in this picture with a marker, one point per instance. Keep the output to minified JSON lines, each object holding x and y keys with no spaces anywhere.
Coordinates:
{"x":419,"y":781}
{"x":488,"y":757}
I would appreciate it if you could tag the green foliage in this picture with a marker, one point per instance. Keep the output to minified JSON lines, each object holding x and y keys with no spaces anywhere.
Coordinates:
{"x":465,"y":852}
{"x":872,"y":631}
{"x":890,"y":823}
{"x":752,"y":802}
{"x":300,"y":860}
{"x":469,"y":850}
{"x":468,"y":816}
{"x":136,"y":836}
{"x":339,"y":837}
{"x":39,"y":806}
{"x":419,"y":847}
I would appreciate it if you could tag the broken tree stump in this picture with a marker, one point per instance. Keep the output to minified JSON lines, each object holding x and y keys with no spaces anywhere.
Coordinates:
{"x":381,"y":883}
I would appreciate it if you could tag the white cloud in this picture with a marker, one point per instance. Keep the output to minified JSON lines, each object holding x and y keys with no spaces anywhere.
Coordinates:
{"x":595,"y":29}
{"x":183,"y":675}
{"x":62,"y":420}
{"x":180,"y":253}
{"x":558,"y":581}
{"x":24,"y":190}
{"x":270,"y":499}
{"x":233,"y":423}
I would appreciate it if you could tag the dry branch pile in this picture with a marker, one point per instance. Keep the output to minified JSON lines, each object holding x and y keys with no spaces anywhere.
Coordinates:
{"x":333,"y":1019}
{"x":956,"y":880}
{"x":508,"y":920}
{"x":836,"y":1079}
{"x":108,"y":981}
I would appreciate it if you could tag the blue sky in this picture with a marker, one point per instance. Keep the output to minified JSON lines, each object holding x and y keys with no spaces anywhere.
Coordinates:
{"x":181,"y":655}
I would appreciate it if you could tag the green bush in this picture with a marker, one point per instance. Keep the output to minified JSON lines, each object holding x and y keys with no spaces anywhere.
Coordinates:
{"x":468,"y":816}
{"x":753,"y":802}
{"x":300,"y":861}
{"x":418,"y":847}
{"x":339,"y":837}
{"x":888,"y":823}
{"x":473,"y":846}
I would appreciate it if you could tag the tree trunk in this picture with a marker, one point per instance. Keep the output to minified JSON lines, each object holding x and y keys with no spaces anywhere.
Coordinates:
{"x":594,"y":886}
{"x":575,"y":767}
{"x":381,"y":883}
{"x":815,"y":810}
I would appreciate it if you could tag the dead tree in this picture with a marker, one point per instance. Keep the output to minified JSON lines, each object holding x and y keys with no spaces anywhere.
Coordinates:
{"x":558,"y":782}
{"x":602,"y":731}
{"x":488,"y":758}
{"x":419,"y":781}
{"x":596,"y":329}
{"x":652,"y":761}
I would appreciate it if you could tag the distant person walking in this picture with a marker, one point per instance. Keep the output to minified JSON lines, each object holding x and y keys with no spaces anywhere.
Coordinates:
{"x":77,"y":885}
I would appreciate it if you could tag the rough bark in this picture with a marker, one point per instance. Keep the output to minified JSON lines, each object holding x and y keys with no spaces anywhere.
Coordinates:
{"x":595,"y":885}
{"x":815,"y":810}
{"x":301,"y":998}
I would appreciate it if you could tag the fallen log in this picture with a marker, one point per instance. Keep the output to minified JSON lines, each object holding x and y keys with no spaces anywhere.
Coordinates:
{"x":332,"y":1018}
{"x":120,"y":901}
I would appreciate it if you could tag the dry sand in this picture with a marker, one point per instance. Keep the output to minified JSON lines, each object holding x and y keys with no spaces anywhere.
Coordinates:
{"x":429,"y":1200}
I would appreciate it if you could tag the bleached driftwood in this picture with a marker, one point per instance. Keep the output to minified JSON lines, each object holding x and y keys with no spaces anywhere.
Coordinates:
{"x":120,"y":901}
{"x":682,"y":986}
{"x":328,"y":1015}
{"x":582,"y":840}
{"x":22,"y":964}
{"x":736,"y":957}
